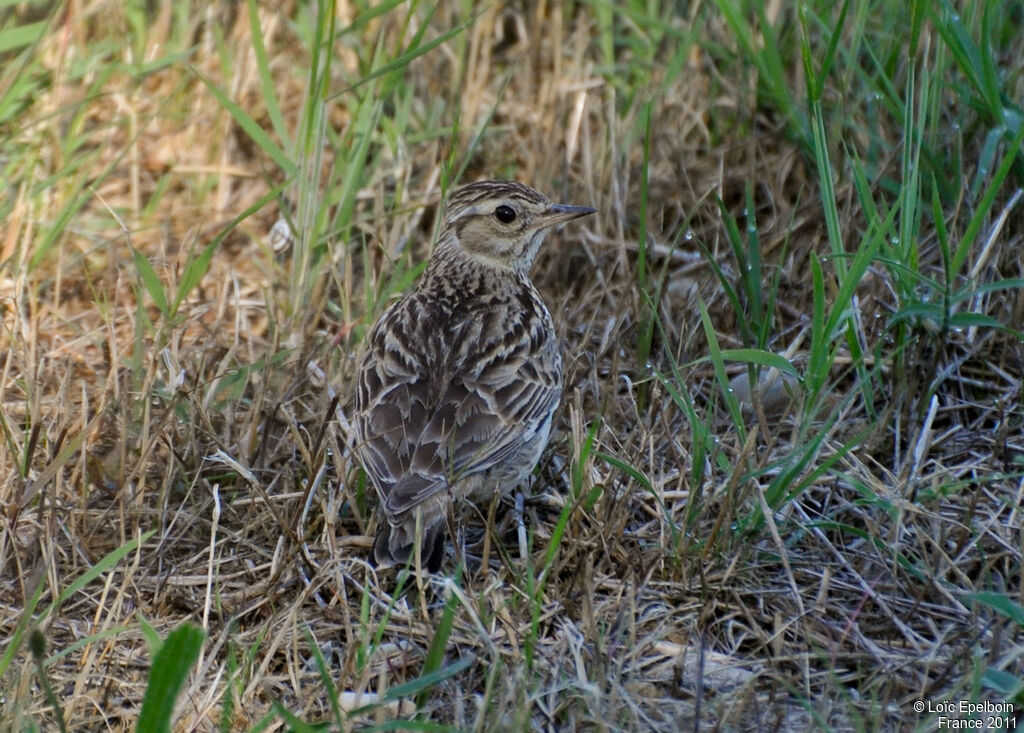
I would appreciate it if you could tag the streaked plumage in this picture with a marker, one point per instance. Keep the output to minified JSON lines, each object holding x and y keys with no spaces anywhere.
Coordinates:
{"x":460,"y":378}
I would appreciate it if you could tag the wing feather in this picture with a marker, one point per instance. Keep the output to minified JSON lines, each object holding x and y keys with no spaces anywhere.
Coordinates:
{"x":436,"y":407}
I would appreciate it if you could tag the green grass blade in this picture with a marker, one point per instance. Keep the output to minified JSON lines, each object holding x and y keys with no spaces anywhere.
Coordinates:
{"x":151,"y":281}
{"x":197,"y":267}
{"x":427,"y":681}
{"x":439,"y":644}
{"x":251,"y":127}
{"x":13,"y":643}
{"x":266,"y":78}
{"x":107,"y":562}
{"x":717,"y":360}
{"x":167,"y":675}
{"x":402,"y":61}
{"x":995,"y":186}
{"x":767,"y":359}
{"x":22,"y":35}
{"x":325,"y":678}
{"x":999,"y":602}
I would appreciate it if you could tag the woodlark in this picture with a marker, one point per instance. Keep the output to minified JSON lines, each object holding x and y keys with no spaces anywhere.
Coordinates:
{"x":461,"y":377}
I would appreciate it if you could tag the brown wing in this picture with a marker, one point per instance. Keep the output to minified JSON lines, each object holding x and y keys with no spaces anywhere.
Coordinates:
{"x":434,"y":406}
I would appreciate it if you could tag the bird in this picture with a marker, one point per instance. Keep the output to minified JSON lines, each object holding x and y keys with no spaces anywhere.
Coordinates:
{"x":459,"y":379}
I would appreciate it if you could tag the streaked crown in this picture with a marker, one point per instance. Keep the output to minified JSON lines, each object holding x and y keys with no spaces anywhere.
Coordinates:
{"x":502,"y":224}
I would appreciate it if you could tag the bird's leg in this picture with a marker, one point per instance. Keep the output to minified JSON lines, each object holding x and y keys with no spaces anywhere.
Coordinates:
{"x":518,"y":511}
{"x":417,"y":549}
{"x":485,"y":555}
{"x":453,"y":531}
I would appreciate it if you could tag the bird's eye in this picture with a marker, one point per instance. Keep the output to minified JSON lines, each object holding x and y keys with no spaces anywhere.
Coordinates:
{"x":505,"y":214}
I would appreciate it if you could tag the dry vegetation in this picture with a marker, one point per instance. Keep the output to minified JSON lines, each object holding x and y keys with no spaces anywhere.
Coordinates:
{"x":682,"y":561}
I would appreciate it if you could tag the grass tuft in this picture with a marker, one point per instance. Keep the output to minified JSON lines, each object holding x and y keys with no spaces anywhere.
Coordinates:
{"x":783,"y":488}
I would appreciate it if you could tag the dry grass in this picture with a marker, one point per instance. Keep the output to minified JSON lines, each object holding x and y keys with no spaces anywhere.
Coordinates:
{"x":644,"y":586}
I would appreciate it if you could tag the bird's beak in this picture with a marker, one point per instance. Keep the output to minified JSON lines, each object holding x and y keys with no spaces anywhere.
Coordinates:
{"x":561,"y":213}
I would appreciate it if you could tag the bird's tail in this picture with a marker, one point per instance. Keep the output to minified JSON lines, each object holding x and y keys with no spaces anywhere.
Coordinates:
{"x":396,"y":546}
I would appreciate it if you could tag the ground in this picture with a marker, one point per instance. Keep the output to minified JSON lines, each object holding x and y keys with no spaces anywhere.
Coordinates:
{"x":822,"y":201}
